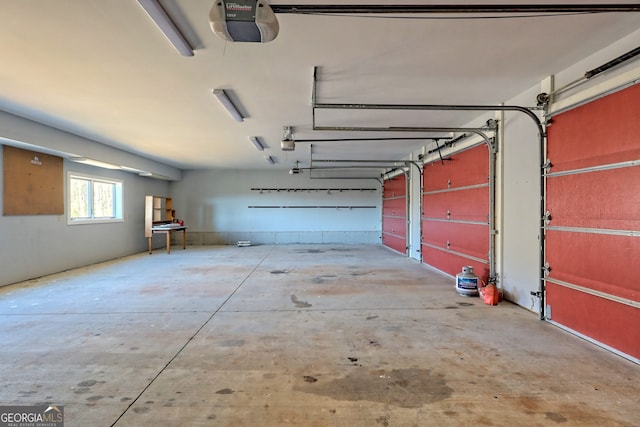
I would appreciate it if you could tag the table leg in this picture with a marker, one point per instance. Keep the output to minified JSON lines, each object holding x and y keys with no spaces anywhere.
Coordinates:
{"x":184,"y":239}
{"x":168,"y":242}
{"x":150,"y":246}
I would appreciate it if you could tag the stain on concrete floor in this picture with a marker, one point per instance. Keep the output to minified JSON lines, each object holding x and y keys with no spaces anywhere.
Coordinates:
{"x":405,"y":388}
{"x":298,"y":303}
{"x":310,"y":251}
{"x":323,"y":278}
{"x":232,"y":343}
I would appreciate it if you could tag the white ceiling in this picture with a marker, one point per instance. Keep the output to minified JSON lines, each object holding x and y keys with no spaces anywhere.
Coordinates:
{"x":103,"y":70}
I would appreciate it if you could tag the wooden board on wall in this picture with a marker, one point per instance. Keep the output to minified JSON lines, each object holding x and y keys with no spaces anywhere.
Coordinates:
{"x":33,"y":183}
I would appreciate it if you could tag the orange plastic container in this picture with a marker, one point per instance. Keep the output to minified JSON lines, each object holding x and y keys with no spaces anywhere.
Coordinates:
{"x":490,"y":294}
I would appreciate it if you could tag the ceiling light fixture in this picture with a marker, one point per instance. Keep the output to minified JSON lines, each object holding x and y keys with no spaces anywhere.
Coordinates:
{"x":155,"y":176}
{"x":224,"y":99}
{"x":257,"y":142}
{"x":288,"y":142}
{"x":132,"y":170}
{"x":96,"y":163}
{"x":270,"y":160}
{"x":166,"y":25}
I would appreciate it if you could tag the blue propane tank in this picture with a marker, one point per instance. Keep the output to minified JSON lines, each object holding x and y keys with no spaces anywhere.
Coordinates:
{"x":467,"y":282}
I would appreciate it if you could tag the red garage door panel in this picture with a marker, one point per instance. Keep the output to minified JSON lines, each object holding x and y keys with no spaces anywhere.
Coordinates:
{"x":469,"y":167}
{"x":455,"y":204}
{"x":607,"y":199}
{"x":469,"y":239}
{"x":608,"y":322}
{"x":466,"y":205}
{"x":394,"y":207}
{"x":452,"y":264}
{"x":592,"y":243}
{"x":393,"y":225}
{"x":601,"y":132}
{"x":394,"y":242}
{"x":596,"y":261}
{"x":394,"y":214}
{"x":395,"y":187}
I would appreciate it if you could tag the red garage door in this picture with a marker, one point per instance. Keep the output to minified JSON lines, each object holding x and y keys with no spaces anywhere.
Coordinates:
{"x":593,"y":230}
{"x":455,"y":222}
{"x":394,"y":213}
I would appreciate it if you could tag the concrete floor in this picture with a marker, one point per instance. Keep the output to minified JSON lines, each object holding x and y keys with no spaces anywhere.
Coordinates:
{"x":303,"y":335}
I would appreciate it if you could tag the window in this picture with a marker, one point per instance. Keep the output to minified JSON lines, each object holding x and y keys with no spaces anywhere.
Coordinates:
{"x":93,"y":199}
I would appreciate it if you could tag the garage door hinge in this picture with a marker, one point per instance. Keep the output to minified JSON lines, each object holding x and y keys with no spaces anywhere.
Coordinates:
{"x":547,"y":217}
{"x":546,"y":269}
{"x":547,"y":166}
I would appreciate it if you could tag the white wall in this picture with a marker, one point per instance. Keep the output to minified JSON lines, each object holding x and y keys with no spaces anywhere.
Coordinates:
{"x":25,"y":133}
{"x":602,"y":83}
{"x":215,"y":206}
{"x":519,"y":205}
{"x":35,"y":245}
{"x":415,"y":202}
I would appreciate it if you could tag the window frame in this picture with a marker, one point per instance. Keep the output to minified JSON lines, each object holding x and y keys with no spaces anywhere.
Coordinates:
{"x":118,"y":199}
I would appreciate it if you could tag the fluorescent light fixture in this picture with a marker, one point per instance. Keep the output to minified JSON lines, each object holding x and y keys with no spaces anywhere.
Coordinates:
{"x":93,"y":162}
{"x":256,"y":141}
{"x":155,"y":176}
{"x":140,"y":172}
{"x":228,"y":105}
{"x":166,"y":25}
{"x":132,"y":170}
{"x":269,"y":160}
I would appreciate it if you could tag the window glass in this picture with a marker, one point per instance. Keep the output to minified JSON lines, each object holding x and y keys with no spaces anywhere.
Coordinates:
{"x":103,"y":194}
{"x":79,"y":198}
{"x":94,"y":199}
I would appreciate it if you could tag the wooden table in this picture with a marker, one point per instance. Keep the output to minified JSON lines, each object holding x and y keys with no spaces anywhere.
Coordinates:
{"x":168,"y":230}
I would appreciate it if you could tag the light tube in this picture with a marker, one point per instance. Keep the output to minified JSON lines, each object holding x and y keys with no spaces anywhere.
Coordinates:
{"x":96,"y":163}
{"x":228,"y":105}
{"x":166,"y":25}
{"x":269,"y":159}
{"x":255,"y":141}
